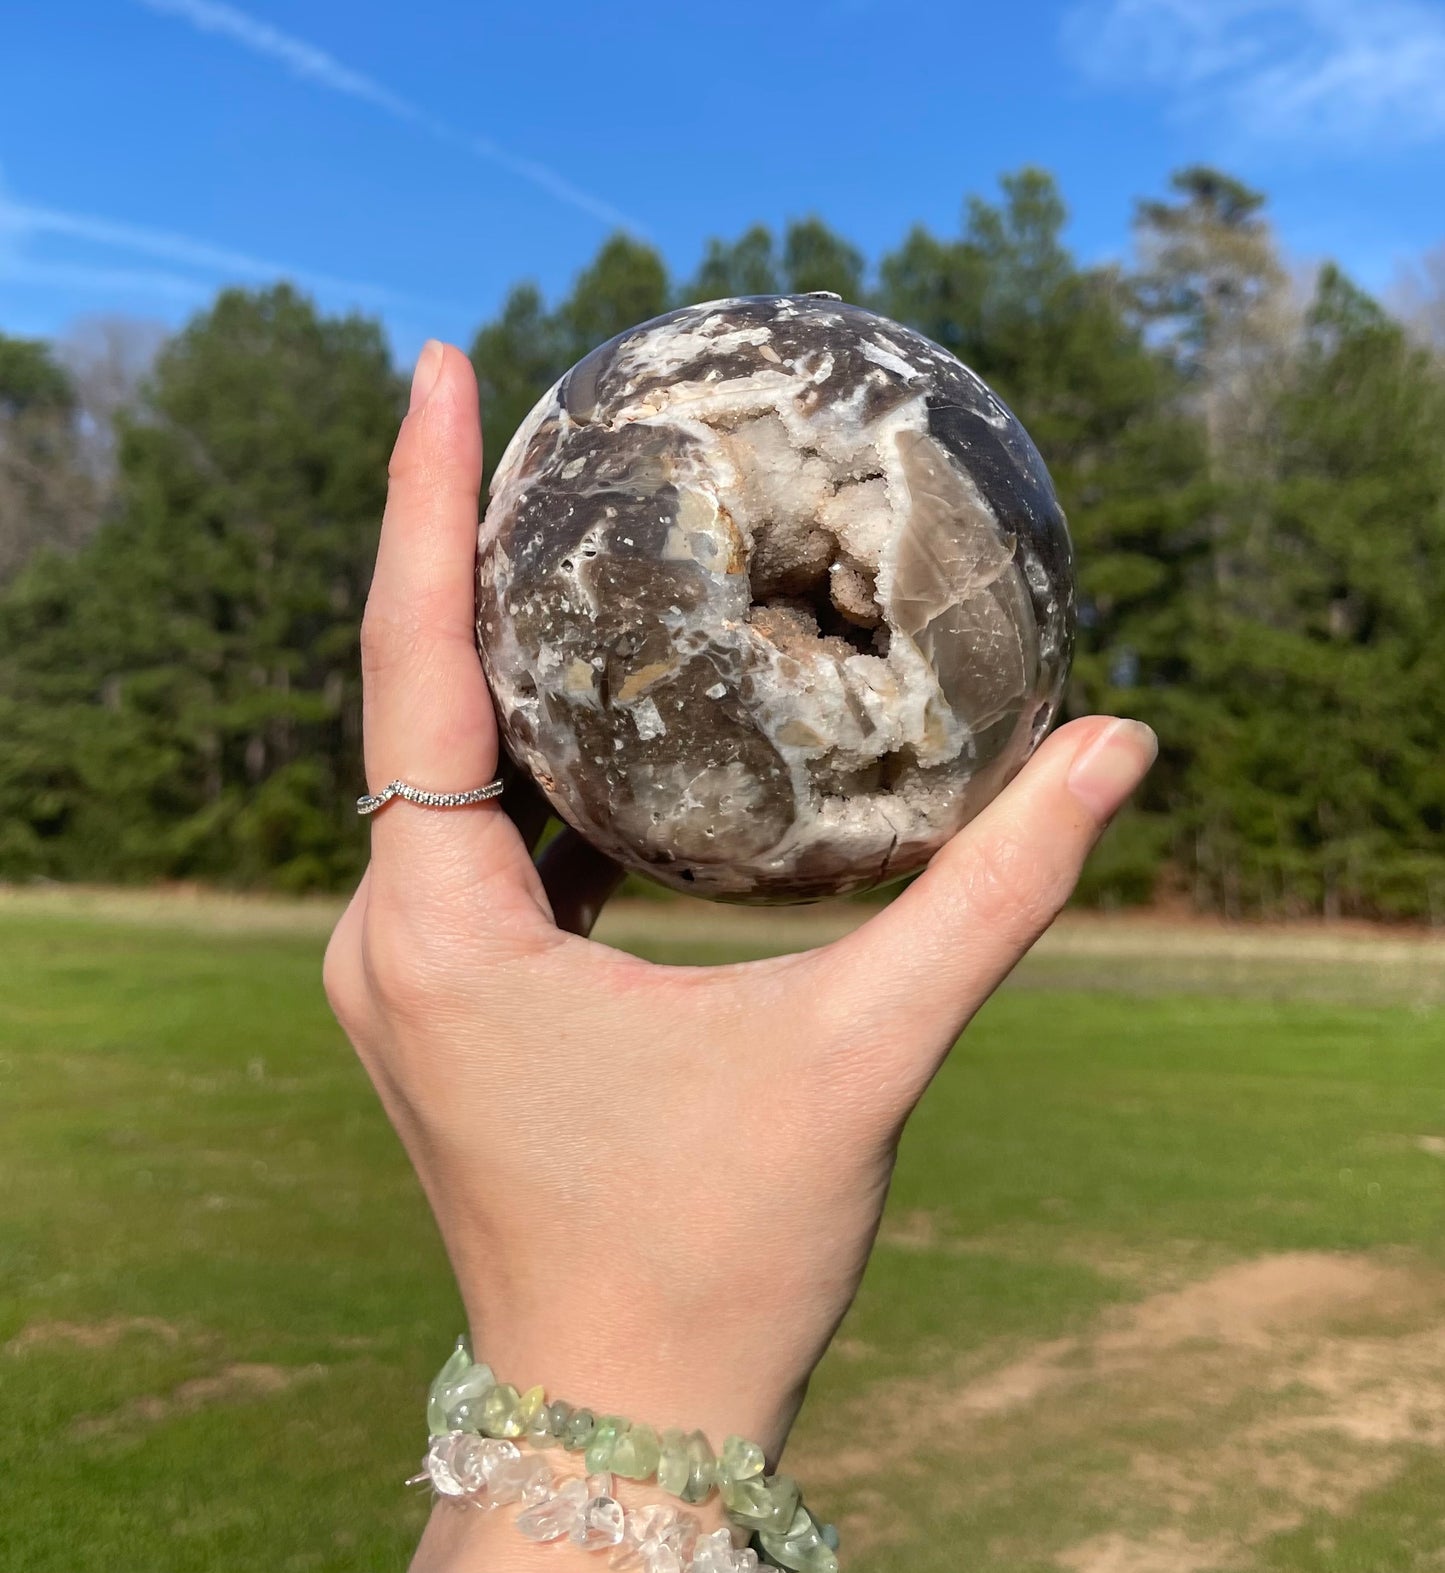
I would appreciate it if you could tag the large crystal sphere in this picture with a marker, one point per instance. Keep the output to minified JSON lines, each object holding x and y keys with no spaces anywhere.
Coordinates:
{"x":773,"y":595}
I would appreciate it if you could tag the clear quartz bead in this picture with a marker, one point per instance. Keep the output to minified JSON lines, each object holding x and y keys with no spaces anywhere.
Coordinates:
{"x":495,"y":1454}
{"x":639,"y":1526}
{"x":540,"y":1486}
{"x":660,"y":1558}
{"x":553,"y":1518}
{"x":600,"y":1524}
{"x":682,"y":1534}
{"x":456,"y":1464}
{"x":654,"y":1517}
{"x":713,"y":1553}
{"x":656,"y":1536}
{"x":516,"y":1479}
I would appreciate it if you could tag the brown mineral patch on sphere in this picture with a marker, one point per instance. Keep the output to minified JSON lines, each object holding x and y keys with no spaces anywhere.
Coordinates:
{"x":773,"y":595}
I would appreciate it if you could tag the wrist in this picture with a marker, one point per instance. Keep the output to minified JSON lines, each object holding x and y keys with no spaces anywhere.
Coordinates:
{"x":664,"y":1383}
{"x":694,"y":1367}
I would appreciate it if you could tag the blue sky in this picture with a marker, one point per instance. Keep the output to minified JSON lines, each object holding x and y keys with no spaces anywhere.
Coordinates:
{"x":416,"y":160}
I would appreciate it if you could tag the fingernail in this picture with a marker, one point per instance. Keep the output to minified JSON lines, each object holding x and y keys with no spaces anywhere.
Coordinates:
{"x":1109,"y":769}
{"x":428,"y":370}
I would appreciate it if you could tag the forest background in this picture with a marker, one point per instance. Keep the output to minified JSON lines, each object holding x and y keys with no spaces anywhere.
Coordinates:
{"x":1250,"y":457}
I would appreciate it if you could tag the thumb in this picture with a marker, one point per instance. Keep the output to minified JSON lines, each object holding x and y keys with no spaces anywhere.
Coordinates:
{"x":909,"y":979}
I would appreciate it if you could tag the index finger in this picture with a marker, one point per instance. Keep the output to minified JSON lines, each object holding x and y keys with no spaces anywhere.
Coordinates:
{"x":427,"y":713}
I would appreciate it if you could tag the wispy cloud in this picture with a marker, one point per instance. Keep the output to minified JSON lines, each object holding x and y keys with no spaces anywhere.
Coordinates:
{"x":79,"y":278}
{"x":215,"y":262}
{"x":206,"y":265}
{"x":315,"y":65}
{"x":1358,"y":72}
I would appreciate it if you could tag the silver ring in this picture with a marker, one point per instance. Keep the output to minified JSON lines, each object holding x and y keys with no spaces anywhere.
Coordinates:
{"x":370,"y":804}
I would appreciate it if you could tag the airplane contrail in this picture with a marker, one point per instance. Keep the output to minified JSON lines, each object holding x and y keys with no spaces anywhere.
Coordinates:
{"x":312,"y":64}
{"x":103,"y":281}
{"x":181,"y":250}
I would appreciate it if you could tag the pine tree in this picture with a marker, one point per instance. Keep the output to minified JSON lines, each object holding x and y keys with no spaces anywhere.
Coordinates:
{"x":1256,"y":492}
{"x":520,"y":356}
{"x":48,"y":498}
{"x":1320,"y":779}
{"x":182,"y":695}
{"x":814,"y":258}
{"x":1059,"y":344}
{"x":517,"y":358}
{"x":746,"y":266}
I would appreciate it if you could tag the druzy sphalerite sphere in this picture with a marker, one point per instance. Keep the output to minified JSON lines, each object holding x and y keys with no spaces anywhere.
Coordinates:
{"x":774,"y":595}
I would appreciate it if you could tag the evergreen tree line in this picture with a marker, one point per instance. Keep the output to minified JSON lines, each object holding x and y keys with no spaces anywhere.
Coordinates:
{"x":1252,"y":467}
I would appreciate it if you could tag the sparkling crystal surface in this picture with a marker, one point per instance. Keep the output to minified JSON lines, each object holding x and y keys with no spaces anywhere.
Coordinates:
{"x":774,"y":595}
{"x":456,"y":1464}
{"x":600,"y":1524}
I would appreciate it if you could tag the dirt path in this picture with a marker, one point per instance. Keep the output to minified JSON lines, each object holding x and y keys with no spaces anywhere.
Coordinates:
{"x":1198,"y":1421}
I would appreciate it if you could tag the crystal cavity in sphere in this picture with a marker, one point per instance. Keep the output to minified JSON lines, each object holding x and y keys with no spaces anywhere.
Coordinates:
{"x":773,"y":595}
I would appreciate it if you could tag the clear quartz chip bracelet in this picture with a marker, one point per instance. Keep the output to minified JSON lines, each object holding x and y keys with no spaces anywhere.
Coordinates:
{"x":371,"y":802}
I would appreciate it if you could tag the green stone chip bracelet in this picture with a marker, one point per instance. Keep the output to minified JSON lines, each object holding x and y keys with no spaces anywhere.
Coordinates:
{"x":466,"y":1396}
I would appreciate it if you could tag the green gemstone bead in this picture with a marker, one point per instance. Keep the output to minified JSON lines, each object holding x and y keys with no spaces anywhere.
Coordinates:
{"x":749,"y":1503}
{"x":537,"y":1418}
{"x":741,"y":1459}
{"x":581,"y":1423}
{"x":673,"y":1467}
{"x":457,"y":1362}
{"x":786,"y":1499}
{"x":558,"y":1414}
{"x":604,"y":1443}
{"x":500,"y":1417}
{"x":702,"y":1471}
{"x":770,"y":1503}
{"x":637,"y":1454}
{"x":460,"y":1405}
{"x":457,"y":1365}
{"x":783,"y":1499}
{"x":801,"y":1547}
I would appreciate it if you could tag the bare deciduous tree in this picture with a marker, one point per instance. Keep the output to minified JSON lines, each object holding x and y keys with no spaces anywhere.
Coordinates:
{"x":1418,"y":298}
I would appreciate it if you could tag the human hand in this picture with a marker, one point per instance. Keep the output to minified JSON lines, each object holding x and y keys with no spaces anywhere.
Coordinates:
{"x":658,"y":1186}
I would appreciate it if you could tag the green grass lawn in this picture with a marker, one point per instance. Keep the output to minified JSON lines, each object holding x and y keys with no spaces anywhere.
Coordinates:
{"x":1162,"y":1287}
